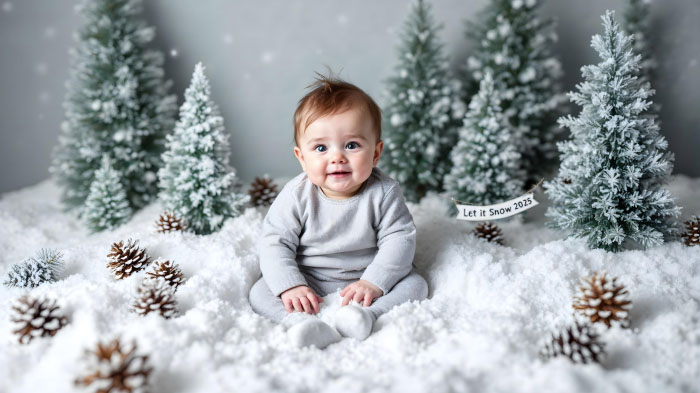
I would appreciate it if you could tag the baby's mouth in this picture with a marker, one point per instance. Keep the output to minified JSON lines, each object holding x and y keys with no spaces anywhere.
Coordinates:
{"x":339,"y":174}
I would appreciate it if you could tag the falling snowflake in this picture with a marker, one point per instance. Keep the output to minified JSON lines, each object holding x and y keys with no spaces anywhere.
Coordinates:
{"x":50,"y":32}
{"x":149,"y":177}
{"x":267,"y":57}
{"x":430,"y":150}
{"x":44,"y":96}
{"x":342,"y":19}
{"x":396,"y":120}
{"x":527,"y":75}
{"x":173,"y":52}
{"x":41,"y":68}
{"x":7,"y":6}
{"x":228,"y":39}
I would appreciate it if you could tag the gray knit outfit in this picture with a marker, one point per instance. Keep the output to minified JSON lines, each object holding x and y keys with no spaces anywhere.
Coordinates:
{"x":326,"y":244}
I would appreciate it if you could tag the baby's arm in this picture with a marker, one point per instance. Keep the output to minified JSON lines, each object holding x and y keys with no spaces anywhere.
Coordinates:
{"x":360,"y":291}
{"x":278,"y":246}
{"x":301,"y":299}
{"x":396,"y":240}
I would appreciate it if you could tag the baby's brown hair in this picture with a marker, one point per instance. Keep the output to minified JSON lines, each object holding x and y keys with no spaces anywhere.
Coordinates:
{"x":329,"y":95}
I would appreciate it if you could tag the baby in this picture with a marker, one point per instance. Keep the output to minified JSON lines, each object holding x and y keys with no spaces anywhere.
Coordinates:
{"x":341,"y":224}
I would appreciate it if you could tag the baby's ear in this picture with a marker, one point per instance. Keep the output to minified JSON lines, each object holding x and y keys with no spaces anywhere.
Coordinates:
{"x":378,"y":151}
{"x":298,"y":154}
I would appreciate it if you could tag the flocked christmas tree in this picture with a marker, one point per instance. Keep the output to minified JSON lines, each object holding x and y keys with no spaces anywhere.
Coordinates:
{"x":423,"y":110}
{"x":485,"y":160}
{"x":514,"y":45}
{"x":609,"y":189}
{"x":106,"y":206}
{"x":197,"y":183}
{"x":45,"y":267}
{"x":117,"y":105}
{"x":636,"y":23}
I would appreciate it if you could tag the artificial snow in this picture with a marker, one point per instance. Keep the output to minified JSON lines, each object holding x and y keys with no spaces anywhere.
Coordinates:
{"x":488,"y":313}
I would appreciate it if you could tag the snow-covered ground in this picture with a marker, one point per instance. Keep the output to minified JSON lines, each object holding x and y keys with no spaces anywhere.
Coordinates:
{"x":481,"y":328}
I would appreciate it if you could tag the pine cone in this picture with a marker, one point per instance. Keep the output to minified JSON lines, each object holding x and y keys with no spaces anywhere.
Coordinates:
{"x":128,"y":259}
{"x":167,"y":271}
{"x":262,"y":191}
{"x":579,"y":343}
{"x":36,"y":318}
{"x":603,"y":300}
{"x":155,"y":295}
{"x":490,"y":232}
{"x":692,"y":232}
{"x":168,"y":222}
{"x":112,"y":368}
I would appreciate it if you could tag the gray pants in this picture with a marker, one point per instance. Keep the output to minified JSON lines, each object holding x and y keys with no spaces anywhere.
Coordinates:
{"x":411,"y":287}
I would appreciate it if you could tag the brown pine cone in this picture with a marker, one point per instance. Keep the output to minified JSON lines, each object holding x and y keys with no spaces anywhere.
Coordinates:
{"x":603,"y":300}
{"x":168,"y":222}
{"x":36,"y":318}
{"x":167,"y":271}
{"x":262,"y":191}
{"x":692,"y":232}
{"x":155,"y":295}
{"x":113,"y":368}
{"x":578,"y":342}
{"x":127,"y":259}
{"x":490,"y":232}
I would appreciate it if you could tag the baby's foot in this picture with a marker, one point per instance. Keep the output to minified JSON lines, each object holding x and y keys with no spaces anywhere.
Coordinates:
{"x":354,"y":321}
{"x":313,"y":331}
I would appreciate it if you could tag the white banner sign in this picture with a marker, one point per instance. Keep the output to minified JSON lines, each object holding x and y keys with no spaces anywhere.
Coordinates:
{"x":497,"y":211}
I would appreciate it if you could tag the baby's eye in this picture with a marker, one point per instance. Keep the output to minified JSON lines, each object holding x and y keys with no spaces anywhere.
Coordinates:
{"x":352,"y":145}
{"x":320,"y":148}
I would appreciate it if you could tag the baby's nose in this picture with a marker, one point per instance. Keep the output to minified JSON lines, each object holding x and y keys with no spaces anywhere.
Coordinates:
{"x":338,"y":157}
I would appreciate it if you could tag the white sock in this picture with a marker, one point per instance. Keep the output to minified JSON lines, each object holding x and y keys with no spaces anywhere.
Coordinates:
{"x":354,"y":321}
{"x":312,"y":331}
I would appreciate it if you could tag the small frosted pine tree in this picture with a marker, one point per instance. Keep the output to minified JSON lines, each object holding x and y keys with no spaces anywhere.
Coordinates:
{"x":197,"y":183}
{"x":636,"y":24}
{"x":423,"y":111}
{"x":485,"y":161}
{"x":106,"y":206}
{"x":514,"y":45}
{"x":31,"y":273}
{"x":609,"y":189}
{"x":117,"y":104}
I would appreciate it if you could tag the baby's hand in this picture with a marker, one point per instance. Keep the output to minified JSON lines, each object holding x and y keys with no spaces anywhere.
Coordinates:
{"x":360,"y":291}
{"x":302,"y":299}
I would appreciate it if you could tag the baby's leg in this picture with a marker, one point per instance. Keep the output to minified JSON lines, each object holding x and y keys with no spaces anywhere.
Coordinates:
{"x":304,"y":329}
{"x":265,"y":303}
{"x":411,"y":287}
{"x":357,"y":321}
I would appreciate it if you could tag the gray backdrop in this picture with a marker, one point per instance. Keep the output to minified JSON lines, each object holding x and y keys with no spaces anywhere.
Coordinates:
{"x":261,"y":54}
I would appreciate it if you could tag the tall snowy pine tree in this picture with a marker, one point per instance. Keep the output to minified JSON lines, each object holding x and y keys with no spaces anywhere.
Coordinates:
{"x":512,"y":43}
{"x":609,"y":189}
{"x":197,"y":183}
{"x":117,"y":104}
{"x":423,"y":111}
{"x":106,"y":206}
{"x":485,"y":161}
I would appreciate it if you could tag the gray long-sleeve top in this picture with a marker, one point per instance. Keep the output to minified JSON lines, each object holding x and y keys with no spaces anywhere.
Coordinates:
{"x":370,"y":236}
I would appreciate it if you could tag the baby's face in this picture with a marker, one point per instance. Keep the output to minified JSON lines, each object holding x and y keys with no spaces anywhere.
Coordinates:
{"x":338,"y":152}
